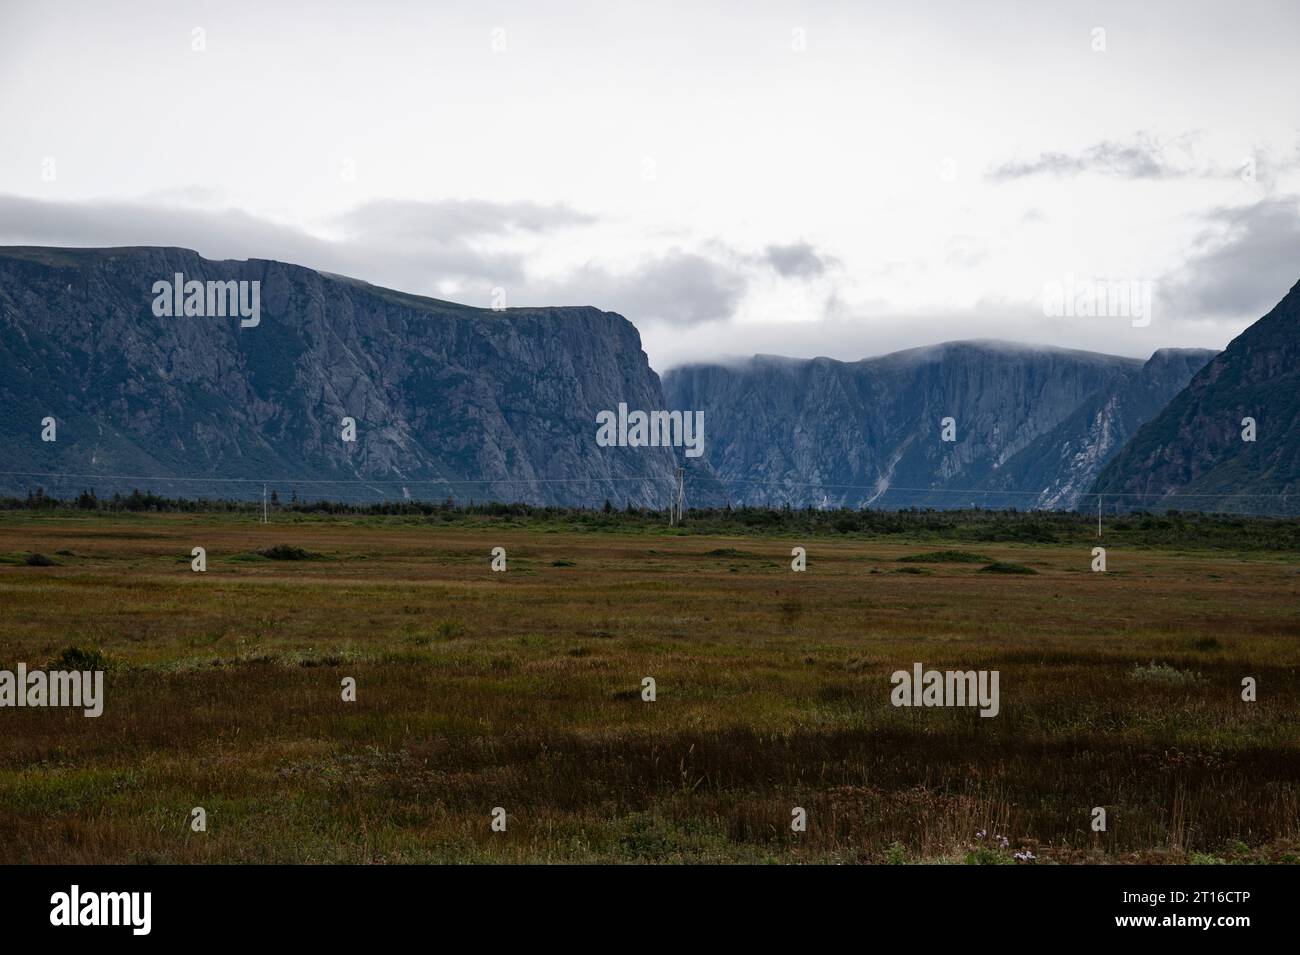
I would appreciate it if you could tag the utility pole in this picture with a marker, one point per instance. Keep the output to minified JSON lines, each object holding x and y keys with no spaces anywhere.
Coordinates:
{"x":1099,"y":515}
{"x":264,"y":520}
{"x":675,"y":511}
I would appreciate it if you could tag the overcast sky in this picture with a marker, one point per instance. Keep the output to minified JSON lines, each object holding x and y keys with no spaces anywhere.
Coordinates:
{"x":805,"y":179}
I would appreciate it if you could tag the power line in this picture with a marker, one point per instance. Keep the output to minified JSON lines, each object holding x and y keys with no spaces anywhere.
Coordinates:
{"x":976,"y":491}
{"x":452,"y":483}
{"x":289,"y":480}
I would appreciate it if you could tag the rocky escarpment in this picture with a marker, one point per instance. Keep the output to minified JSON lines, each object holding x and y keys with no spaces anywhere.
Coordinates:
{"x":1031,"y":427}
{"x":1194,"y":454}
{"x":447,"y":400}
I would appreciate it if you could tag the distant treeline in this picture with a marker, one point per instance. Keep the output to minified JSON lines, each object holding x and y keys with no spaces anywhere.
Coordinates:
{"x":1165,"y":528}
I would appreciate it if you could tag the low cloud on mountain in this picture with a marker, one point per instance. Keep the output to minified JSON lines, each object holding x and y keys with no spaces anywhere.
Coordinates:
{"x":692,"y":302}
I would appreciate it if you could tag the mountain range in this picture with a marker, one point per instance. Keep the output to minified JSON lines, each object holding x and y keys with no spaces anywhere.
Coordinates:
{"x":1029,"y":427}
{"x":447,"y":400}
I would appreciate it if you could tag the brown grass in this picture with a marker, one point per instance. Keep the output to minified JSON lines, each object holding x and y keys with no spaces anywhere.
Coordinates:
{"x":522,"y":690}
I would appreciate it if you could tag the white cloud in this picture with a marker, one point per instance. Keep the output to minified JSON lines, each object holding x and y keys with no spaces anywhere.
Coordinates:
{"x":916,"y":173}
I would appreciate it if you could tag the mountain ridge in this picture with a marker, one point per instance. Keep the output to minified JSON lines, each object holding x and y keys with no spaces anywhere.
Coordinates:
{"x":1032,"y":423}
{"x":457,"y":400}
{"x":449,"y":400}
{"x":1193,"y":451}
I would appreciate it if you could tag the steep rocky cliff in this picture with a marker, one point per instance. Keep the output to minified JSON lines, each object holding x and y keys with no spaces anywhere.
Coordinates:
{"x":1192,"y":455}
{"x":455,"y":401}
{"x":447,"y":399}
{"x":1031,"y":427}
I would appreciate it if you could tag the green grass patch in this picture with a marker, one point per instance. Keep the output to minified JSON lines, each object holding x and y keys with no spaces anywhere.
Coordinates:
{"x":1165,"y":673}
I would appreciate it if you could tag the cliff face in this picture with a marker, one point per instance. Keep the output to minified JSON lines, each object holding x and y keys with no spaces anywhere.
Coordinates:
{"x":1031,"y":426}
{"x":1065,"y":462}
{"x":447,"y":399}
{"x":1192,"y":454}
{"x":455,"y":401}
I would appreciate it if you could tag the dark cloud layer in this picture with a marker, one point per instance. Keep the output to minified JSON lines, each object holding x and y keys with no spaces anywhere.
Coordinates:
{"x":797,"y":260}
{"x":1243,"y":262}
{"x":410,"y":246}
{"x":230,"y":234}
{"x":679,"y":288}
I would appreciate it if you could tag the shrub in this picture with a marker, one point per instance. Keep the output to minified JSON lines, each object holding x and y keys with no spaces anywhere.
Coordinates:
{"x":288,"y":552}
{"x":450,"y":629}
{"x":1001,"y":567}
{"x":943,"y":557}
{"x":75,"y":658}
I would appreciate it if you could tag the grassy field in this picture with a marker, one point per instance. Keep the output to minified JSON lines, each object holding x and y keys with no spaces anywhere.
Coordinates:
{"x":523,"y":690}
